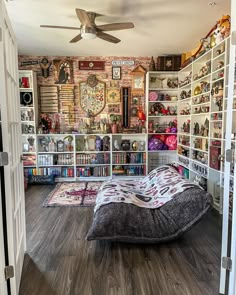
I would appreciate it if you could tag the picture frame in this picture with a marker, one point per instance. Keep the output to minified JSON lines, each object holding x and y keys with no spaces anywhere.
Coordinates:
{"x":25,"y":147}
{"x":114,"y":108}
{"x":113,"y":95}
{"x":91,"y":142}
{"x":116,"y":73}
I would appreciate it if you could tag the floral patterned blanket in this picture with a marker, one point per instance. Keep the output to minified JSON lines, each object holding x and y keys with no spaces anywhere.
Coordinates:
{"x":158,"y":187}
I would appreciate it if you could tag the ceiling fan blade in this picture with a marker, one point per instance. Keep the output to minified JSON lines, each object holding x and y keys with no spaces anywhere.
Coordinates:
{"x":59,"y":27}
{"x":76,"y":38}
{"x":83,"y":17}
{"x":115,"y":26}
{"x":107,"y":37}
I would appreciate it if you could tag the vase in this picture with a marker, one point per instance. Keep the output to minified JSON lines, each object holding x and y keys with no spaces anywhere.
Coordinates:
{"x":114,"y":128}
{"x":125,"y":144}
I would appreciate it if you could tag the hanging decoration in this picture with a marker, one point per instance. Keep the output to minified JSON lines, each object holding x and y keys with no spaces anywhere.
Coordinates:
{"x":45,"y":65}
{"x":92,"y":99}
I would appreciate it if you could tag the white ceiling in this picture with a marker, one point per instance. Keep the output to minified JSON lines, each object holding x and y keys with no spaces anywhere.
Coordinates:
{"x":161,"y":26}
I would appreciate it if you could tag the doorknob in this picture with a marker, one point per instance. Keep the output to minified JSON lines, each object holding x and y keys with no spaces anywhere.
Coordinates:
{"x":221,"y":158}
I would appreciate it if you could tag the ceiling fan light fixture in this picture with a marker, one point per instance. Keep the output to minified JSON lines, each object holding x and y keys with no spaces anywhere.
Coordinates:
{"x":88,"y":33}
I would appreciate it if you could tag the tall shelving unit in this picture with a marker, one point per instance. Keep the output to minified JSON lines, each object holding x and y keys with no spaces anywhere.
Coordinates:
{"x":161,"y":106}
{"x":29,"y":117}
{"x":201,"y":118}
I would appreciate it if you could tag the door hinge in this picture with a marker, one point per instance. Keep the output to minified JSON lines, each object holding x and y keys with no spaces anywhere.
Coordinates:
{"x":9,"y":272}
{"x":0,"y":34}
{"x":227,"y":263}
{"x":230,"y":156}
{"x":3,"y":159}
{"x":233,"y":38}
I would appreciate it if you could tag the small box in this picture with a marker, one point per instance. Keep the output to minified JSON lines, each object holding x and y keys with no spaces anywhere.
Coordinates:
{"x":214,"y":157}
{"x":169,"y":63}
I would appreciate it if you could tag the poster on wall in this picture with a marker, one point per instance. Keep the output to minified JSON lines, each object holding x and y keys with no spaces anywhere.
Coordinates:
{"x":63,"y":71}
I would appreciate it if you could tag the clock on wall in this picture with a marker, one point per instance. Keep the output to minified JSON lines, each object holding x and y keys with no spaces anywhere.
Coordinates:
{"x":138,"y":80}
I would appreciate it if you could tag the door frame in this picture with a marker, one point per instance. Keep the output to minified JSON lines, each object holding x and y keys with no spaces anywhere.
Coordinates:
{"x":3,"y":283}
{"x":11,"y":140}
{"x":228,"y":251}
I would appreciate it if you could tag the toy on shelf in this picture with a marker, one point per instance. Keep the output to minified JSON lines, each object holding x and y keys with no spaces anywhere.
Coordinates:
{"x":159,"y":109}
{"x":186,"y":110}
{"x":156,"y":127}
{"x":224,"y":25}
{"x":200,"y":156}
{"x":186,"y":127}
{"x":201,"y":110}
{"x":185,"y":94}
{"x":186,"y":81}
{"x":183,"y":151}
{"x":203,"y":131}
{"x":162,"y":142}
{"x":204,"y":71}
{"x":184,"y":140}
{"x":201,"y":99}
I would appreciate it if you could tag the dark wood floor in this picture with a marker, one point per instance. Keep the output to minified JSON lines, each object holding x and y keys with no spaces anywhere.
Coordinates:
{"x":60,"y":261}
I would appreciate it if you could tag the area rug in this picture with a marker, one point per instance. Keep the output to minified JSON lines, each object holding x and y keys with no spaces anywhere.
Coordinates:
{"x":73,"y":194}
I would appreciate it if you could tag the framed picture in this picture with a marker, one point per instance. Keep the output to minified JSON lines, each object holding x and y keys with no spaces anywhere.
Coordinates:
{"x":116,"y":73}
{"x":114,"y":108}
{"x":113,"y":95}
{"x":91,"y":142}
{"x":25,"y":147}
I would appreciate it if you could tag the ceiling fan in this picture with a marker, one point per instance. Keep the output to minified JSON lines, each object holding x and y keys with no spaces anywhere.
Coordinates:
{"x":89,"y":30}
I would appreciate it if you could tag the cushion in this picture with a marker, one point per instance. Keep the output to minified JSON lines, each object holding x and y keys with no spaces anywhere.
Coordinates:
{"x":129,"y":223}
{"x":41,"y":179}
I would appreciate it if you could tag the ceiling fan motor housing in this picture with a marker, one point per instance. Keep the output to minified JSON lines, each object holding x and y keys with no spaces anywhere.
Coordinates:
{"x":88,"y":32}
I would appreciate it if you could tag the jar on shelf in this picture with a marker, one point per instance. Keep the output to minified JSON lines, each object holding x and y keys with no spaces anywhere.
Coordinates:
{"x":98,"y":143}
{"x":52,"y":146}
{"x":134,"y":145}
{"x":125,"y":144}
{"x":141,"y":146}
{"x":60,"y":145}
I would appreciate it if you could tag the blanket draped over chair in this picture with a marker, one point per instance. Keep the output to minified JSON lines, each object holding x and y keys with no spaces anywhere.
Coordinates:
{"x":153,"y":191}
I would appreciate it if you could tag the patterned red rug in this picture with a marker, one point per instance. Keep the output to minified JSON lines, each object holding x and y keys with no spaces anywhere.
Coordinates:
{"x":73,"y":194}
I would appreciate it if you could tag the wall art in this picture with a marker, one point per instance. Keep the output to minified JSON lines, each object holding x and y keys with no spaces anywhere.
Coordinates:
{"x":91,"y":65}
{"x":45,"y":65}
{"x":63,"y":71}
{"x":116,"y":73}
{"x":114,"y":108}
{"x":113,"y":95}
{"x":92,"y":99}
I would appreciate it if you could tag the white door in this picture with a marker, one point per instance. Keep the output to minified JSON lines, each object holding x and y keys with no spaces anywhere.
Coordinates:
{"x":3,"y":283}
{"x":228,"y":251}
{"x":11,"y":139}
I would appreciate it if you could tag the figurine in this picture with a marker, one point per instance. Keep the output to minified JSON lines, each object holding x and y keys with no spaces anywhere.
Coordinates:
{"x":116,"y":145}
{"x":196,"y":128}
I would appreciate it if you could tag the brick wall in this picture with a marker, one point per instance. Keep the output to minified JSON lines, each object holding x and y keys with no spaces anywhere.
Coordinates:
{"x":82,"y":75}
